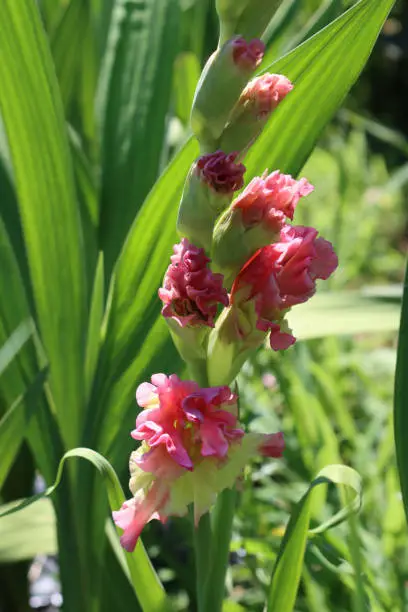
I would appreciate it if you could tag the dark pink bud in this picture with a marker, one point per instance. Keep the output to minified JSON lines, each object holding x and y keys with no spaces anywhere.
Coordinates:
{"x":191,"y":292}
{"x":272,"y":445}
{"x":221,"y":172}
{"x":248,"y":55}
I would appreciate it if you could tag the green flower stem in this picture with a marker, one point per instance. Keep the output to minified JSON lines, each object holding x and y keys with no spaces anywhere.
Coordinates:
{"x":212,"y":535}
{"x":203,"y":549}
{"x":222,"y":519}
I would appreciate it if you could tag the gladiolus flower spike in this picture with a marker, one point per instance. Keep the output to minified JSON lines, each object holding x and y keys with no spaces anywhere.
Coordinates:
{"x":192,"y":448}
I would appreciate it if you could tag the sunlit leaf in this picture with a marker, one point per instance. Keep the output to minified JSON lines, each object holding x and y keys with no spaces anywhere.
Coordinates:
{"x":134,"y":92}
{"x":35,"y":127}
{"x":29,"y":533}
{"x":323,"y":69}
{"x":288,"y":566}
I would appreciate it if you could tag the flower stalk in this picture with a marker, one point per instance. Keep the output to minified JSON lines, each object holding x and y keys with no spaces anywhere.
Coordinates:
{"x":240,"y":266}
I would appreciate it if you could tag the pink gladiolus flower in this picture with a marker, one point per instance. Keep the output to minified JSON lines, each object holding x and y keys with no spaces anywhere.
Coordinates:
{"x":282,"y":275}
{"x":191,"y":292}
{"x":184,"y":419}
{"x":271,"y":199}
{"x":221,"y":172}
{"x":265,"y":92}
{"x":248,"y":55}
{"x":192,"y":448}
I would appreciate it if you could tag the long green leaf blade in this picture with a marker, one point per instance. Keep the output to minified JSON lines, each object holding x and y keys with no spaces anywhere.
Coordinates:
{"x":34,"y":123}
{"x":134,"y":93}
{"x":323,"y":69}
{"x":401,"y":399}
{"x":289,"y":563}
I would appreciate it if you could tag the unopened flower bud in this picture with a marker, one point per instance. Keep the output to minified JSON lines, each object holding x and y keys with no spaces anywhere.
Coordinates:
{"x":209,"y":189}
{"x":246,"y":17}
{"x":222,"y":81}
{"x":255,"y":219}
{"x":258,"y":100}
{"x":191,"y":294}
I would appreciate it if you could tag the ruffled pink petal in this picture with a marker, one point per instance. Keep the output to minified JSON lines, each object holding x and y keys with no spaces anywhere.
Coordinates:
{"x":132,"y":517}
{"x":213,"y":441}
{"x":136,"y":513}
{"x":145,"y":394}
{"x":158,"y":462}
{"x":191,"y":292}
{"x":326,"y":260}
{"x":270,"y":199}
{"x":159,"y":380}
{"x":280,"y":341}
{"x":221,"y":172}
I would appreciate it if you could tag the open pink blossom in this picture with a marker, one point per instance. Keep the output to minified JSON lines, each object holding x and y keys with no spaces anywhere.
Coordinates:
{"x":248,"y":55}
{"x":220,"y":171}
{"x":192,"y":448}
{"x":265,"y":92}
{"x":186,"y":420}
{"x":270,"y":199}
{"x":282,"y":275}
{"x":191,"y":292}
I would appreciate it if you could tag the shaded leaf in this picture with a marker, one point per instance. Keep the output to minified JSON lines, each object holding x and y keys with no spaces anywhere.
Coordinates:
{"x":134,"y":92}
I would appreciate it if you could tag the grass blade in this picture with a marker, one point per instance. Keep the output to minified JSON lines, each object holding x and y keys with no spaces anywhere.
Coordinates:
{"x":288,"y":567}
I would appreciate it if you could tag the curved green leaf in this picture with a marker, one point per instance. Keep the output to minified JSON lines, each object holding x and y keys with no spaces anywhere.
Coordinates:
{"x":147,"y":585}
{"x":288,"y":567}
{"x":323,"y":69}
{"x":34,"y":123}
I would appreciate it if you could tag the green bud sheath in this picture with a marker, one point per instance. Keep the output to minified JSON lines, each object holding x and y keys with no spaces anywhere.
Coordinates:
{"x":248,"y":18}
{"x":241,"y":132}
{"x":234,"y":244}
{"x":220,"y":86}
{"x":227,"y":348}
{"x":199,"y":208}
{"x":209,"y":189}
